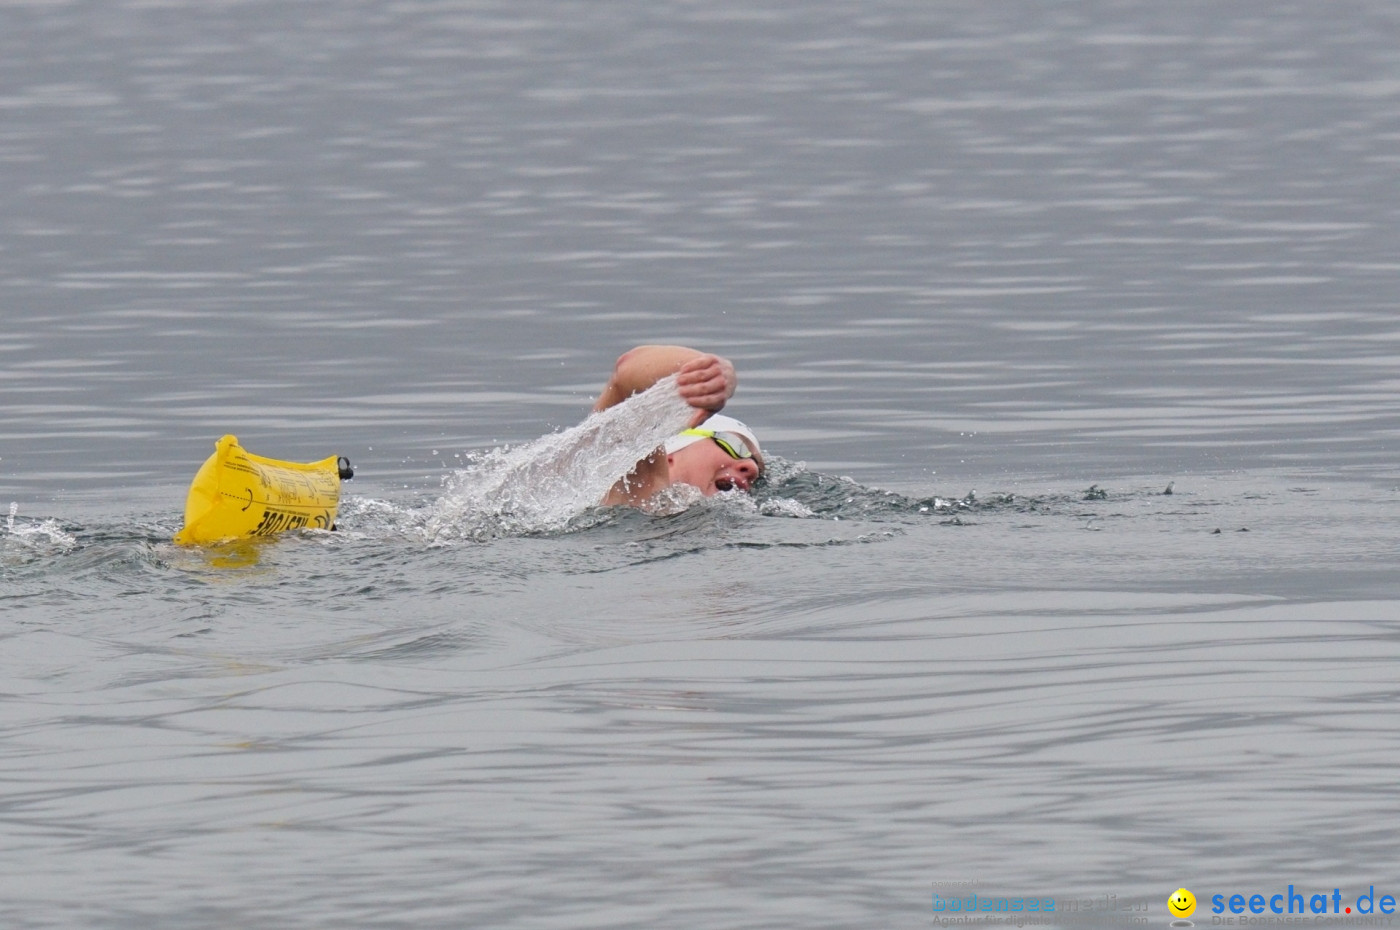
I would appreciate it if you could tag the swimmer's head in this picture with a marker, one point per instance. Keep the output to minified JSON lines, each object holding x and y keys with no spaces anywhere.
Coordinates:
{"x":720,"y":455}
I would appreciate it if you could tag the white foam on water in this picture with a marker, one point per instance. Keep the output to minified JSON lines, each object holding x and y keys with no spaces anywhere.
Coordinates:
{"x":543,"y":485}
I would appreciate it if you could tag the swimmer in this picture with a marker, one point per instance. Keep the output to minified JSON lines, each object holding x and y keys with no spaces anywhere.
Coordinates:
{"x":717,"y":453}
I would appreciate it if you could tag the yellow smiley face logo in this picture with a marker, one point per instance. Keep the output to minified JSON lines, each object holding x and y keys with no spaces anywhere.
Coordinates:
{"x":1182,"y":903}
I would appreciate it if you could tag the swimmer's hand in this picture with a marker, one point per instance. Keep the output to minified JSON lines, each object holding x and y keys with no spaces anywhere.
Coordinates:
{"x":706,"y":383}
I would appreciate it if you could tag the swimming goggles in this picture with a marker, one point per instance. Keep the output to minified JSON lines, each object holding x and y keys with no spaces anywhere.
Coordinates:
{"x":732,"y":443}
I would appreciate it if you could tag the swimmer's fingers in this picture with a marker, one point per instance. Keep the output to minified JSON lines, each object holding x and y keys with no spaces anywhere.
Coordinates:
{"x":706,"y":382}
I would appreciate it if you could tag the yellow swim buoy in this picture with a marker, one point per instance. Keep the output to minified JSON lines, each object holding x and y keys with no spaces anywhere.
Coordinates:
{"x":237,"y":494}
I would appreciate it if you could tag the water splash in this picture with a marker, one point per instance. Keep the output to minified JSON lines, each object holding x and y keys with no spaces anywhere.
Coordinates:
{"x":544,"y":485}
{"x":34,"y":538}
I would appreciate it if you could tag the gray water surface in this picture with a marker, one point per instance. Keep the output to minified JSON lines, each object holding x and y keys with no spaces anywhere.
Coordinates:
{"x":995,"y":277}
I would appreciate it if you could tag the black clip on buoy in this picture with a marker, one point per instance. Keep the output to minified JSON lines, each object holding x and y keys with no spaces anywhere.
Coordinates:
{"x":343,"y":465}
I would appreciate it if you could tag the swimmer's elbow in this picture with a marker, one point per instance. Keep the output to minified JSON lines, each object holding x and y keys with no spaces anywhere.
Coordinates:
{"x":617,"y":389}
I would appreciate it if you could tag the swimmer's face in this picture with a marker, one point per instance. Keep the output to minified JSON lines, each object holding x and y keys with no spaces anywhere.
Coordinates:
{"x":708,"y":467}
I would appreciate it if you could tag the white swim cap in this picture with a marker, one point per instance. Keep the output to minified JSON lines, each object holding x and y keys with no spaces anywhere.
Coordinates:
{"x":718,"y":423}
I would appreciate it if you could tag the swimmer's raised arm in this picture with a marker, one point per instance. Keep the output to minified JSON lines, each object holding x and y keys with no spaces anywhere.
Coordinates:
{"x":704,"y":381}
